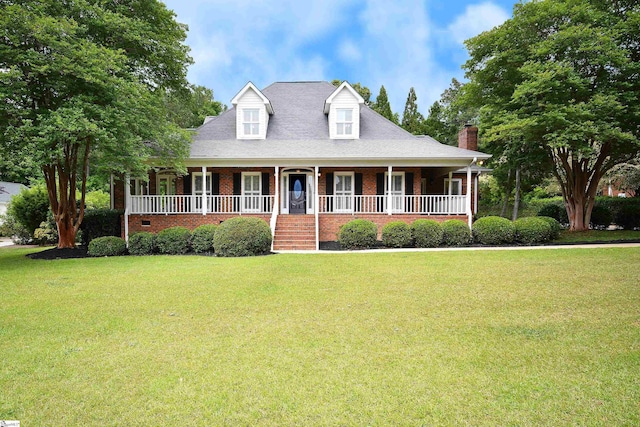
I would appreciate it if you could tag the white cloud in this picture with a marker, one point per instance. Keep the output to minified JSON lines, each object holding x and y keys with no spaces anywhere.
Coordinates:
{"x":476,"y":19}
{"x":349,"y":52}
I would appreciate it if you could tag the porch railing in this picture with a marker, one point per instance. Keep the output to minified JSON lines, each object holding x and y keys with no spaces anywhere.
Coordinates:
{"x":189,"y":204}
{"x":427,"y":204}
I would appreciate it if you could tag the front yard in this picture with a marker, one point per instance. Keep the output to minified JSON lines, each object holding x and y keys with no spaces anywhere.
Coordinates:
{"x":540,"y":337}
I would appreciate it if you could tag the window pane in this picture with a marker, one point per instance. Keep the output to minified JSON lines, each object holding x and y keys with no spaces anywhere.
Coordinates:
{"x":198,"y":183}
{"x":347,"y":183}
{"x":338,"y":180}
{"x":347,"y":128}
{"x":247,"y":129}
{"x":348,"y":115}
{"x":340,"y":128}
{"x":255,"y":128}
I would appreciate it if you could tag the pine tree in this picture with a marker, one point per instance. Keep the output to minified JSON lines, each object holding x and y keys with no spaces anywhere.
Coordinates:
{"x":412,"y":120}
{"x":382,"y":106}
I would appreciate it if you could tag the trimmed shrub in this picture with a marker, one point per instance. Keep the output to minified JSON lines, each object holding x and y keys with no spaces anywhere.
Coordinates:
{"x":396,"y":234}
{"x":601,"y":216}
{"x":426,"y":233}
{"x":174,"y":241}
{"x":99,"y":223}
{"x":532,"y":229}
{"x":107,"y":246}
{"x":555,"y":226}
{"x":358,"y":234}
{"x":142,"y":243}
{"x":628,"y":214}
{"x":455,"y":233}
{"x":555,"y":210}
{"x":493,"y":230}
{"x":202,"y":238}
{"x":242,"y":236}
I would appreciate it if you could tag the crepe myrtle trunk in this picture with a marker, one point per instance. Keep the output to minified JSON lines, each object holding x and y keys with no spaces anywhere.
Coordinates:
{"x":61,"y":178}
{"x":579,"y":179}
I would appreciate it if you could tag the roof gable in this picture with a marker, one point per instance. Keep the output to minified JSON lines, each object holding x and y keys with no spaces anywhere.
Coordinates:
{"x":251,"y":86}
{"x":344,"y":86}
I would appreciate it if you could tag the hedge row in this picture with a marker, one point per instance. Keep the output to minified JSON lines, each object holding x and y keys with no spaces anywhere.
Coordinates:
{"x":235,"y":237}
{"x":623,"y":212}
{"x":422,"y":233}
{"x":427,"y":233}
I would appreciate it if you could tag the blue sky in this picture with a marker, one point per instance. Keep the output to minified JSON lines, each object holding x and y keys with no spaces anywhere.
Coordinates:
{"x":399,"y":44}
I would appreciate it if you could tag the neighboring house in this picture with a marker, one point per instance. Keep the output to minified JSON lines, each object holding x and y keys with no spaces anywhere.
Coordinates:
{"x":306,"y":157}
{"x":7,"y":190}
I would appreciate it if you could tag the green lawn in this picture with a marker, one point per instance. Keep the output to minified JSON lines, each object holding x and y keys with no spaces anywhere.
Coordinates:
{"x":541,"y":337}
{"x":597,"y":236}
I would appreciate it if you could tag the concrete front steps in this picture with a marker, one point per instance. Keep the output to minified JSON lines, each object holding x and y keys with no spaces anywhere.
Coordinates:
{"x":295,"y":232}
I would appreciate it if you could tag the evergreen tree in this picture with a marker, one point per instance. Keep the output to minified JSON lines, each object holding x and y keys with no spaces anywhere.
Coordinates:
{"x":382,"y":106}
{"x":412,"y":120}
{"x":435,"y":124}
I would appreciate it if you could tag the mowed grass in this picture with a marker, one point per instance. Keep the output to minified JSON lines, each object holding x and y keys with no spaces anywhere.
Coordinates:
{"x":597,"y":236}
{"x":540,"y":337}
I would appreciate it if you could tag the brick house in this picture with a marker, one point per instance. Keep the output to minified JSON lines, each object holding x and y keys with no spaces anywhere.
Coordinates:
{"x":306,"y":157}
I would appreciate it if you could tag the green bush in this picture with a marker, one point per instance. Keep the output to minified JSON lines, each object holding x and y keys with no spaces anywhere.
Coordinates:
{"x":47,"y":233}
{"x":556,"y":210}
{"x":426,"y":233}
{"x":627,"y":214}
{"x":455,"y":233}
{"x":29,"y":208}
{"x":533,"y":229}
{"x":396,"y":234}
{"x":601,"y":216}
{"x":202,"y":238}
{"x":554,"y":224}
{"x":493,"y":230}
{"x":107,"y":246}
{"x":142,"y":243}
{"x":242,"y":236}
{"x":358,"y":234}
{"x":174,"y":241}
{"x":99,"y":223}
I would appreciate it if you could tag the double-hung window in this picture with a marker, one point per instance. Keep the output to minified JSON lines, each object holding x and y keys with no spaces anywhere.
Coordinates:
{"x":197,"y":188}
{"x":251,"y":192}
{"x":251,"y":121}
{"x":344,"y":121}
{"x":397,"y":191}
{"x":456,"y":186}
{"x":343,"y":191}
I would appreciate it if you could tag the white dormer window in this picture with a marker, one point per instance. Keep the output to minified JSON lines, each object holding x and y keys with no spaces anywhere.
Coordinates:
{"x":344,"y":121}
{"x":251,"y":121}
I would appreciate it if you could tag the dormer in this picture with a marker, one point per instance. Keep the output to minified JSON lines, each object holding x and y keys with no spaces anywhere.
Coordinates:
{"x":343,"y":108}
{"x":252,"y":113}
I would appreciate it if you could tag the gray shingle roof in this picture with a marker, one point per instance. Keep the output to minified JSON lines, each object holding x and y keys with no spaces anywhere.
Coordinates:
{"x":299,"y":130}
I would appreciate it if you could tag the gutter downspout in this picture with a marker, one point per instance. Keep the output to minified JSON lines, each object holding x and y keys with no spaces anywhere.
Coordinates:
{"x":316,"y":203}
{"x":127,"y":203}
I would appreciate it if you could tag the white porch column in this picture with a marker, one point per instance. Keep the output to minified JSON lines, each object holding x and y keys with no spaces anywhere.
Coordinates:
{"x":127,"y":204}
{"x":276,"y":196}
{"x":449,"y":190}
{"x":389,"y":198}
{"x":468,"y":198}
{"x":475,"y":193}
{"x":112,"y":196}
{"x":204,"y":190}
{"x":316,"y":204}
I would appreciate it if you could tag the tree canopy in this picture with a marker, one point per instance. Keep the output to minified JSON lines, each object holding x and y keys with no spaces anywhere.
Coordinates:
{"x":83,"y":84}
{"x":411,"y":118}
{"x":558,"y":85}
{"x":383,"y":107}
{"x":188,"y":108}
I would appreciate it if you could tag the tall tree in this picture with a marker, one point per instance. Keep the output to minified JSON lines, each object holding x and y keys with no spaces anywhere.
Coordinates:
{"x":364,"y":91}
{"x":412,"y":120}
{"x":562,"y":78}
{"x":435,"y":125}
{"x":83,"y":83}
{"x":382,"y":106}
{"x":188,"y":108}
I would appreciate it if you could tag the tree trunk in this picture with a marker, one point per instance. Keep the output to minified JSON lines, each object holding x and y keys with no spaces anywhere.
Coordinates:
{"x":66,"y":232}
{"x":516,"y":201}
{"x":507,"y":192}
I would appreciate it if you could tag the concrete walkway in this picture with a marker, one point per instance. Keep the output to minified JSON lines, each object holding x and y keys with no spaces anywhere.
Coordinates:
{"x":473,"y":248}
{"x":5,"y":241}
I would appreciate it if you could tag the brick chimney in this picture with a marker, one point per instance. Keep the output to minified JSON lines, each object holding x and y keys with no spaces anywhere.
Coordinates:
{"x":468,"y":137}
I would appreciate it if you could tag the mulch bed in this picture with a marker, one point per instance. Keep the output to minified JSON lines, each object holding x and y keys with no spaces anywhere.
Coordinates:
{"x":66,"y":253}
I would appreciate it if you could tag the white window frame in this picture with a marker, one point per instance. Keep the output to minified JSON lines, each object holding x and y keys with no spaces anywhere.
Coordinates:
{"x":140,"y":187}
{"x":171,"y":179}
{"x":397,"y":196}
{"x":342,"y":123}
{"x":453,"y":186}
{"x":343,"y":202}
{"x":252,"y":122}
{"x":251,"y":202}
{"x":207,"y":188}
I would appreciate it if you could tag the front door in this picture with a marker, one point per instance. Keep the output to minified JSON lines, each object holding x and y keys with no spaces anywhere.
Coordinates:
{"x":297,"y":195}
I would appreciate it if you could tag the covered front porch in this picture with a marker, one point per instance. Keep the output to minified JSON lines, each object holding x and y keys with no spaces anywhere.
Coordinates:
{"x":329,"y":195}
